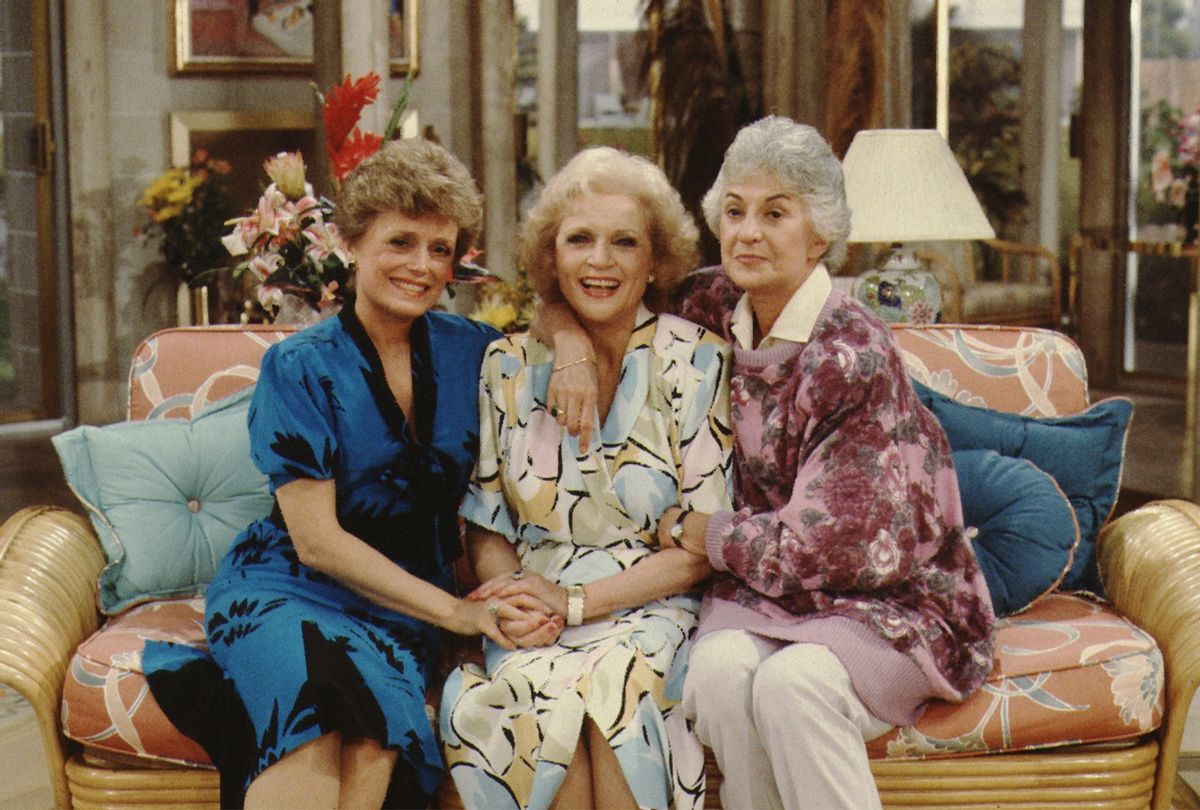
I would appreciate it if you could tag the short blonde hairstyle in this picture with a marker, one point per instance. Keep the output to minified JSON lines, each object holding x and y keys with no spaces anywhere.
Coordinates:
{"x":603,"y":170}
{"x":416,"y":177}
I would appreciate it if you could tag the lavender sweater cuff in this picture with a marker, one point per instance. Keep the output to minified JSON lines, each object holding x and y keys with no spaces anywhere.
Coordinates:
{"x":714,"y":538}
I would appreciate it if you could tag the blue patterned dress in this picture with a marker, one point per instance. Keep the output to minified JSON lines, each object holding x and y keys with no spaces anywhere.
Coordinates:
{"x":306,"y":655}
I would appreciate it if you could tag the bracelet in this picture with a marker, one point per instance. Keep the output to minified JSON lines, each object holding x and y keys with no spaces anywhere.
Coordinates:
{"x":676,"y":531}
{"x":574,"y":605}
{"x":584,"y":359}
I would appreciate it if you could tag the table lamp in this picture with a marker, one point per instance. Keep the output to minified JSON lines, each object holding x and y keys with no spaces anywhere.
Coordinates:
{"x":905,"y":185}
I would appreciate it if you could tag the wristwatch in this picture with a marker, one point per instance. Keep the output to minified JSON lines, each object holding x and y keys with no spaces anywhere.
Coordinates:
{"x":677,"y":527}
{"x":574,"y":605}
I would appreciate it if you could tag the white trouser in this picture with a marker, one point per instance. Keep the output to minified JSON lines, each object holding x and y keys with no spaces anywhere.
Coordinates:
{"x":784,"y":721}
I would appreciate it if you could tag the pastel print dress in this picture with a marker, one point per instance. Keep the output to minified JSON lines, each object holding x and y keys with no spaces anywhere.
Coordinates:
{"x":510,"y":732}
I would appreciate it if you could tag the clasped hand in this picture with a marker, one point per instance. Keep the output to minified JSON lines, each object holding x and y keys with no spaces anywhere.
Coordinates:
{"x":540,"y":603}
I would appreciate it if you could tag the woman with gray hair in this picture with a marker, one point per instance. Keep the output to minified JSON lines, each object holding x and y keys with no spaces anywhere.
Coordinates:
{"x":846,"y":595}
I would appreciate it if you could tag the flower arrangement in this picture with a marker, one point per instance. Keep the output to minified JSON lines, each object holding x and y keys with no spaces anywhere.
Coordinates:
{"x":1177,"y":155}
{"x":186,"y":208}
{"x":291,"y":247}
{"x":506,"y":305}
{"x":287,"y":244}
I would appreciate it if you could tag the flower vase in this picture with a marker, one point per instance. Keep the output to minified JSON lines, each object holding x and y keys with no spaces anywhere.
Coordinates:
{"x":295,"y":311}
{"x":191,"y":305}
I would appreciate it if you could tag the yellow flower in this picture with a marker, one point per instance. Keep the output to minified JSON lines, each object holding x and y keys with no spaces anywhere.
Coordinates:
{"x":495,"y":314}
{"x":286,"y":170}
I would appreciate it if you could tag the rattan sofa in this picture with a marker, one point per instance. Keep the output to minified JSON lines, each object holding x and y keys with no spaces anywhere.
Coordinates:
{"x":50,"y":559}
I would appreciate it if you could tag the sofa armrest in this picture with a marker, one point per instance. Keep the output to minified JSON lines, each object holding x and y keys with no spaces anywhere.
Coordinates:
{"x":1150,"y":565}
{"x":50,"y":560}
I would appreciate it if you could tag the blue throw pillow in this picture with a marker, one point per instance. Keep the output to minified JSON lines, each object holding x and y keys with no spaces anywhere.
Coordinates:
{"x":1025,"y":532}
{"x":167,"y":497}
{"x":1083,"y":453}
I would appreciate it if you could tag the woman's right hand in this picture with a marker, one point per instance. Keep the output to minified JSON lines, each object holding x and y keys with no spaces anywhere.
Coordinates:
{"x":472,"y":617}
{"x":571,"y":396}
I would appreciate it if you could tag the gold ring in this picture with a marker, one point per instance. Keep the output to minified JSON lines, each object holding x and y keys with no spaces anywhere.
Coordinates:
{"x":493,"y":608}
{"x":556,"y":411}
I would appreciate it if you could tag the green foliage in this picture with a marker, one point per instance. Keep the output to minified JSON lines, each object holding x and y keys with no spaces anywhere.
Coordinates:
{"x":704,"y":96}
{"x":985,"y":127}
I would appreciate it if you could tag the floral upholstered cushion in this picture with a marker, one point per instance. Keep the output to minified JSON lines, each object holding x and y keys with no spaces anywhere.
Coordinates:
{"x":1069,"y":670}
{"x":107,"y":704}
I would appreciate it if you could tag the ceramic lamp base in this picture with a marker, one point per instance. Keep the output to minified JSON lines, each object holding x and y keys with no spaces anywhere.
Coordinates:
{"x":900,"y":292}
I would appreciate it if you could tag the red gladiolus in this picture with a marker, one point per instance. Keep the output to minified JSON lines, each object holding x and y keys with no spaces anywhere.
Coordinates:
{"x":343,"y":106}
{"x":356,"y":147}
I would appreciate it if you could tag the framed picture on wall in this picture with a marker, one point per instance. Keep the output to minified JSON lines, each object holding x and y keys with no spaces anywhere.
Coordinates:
{"x":269,"y":36}
{"x":244,"y":139}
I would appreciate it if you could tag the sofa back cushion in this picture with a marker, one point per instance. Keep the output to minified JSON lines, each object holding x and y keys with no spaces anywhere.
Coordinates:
{"x":177,"y":372}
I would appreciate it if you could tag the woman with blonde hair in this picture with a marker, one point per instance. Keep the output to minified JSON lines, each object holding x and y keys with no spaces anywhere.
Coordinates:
{"x":593,"y":719}
{"x":327,"y":616}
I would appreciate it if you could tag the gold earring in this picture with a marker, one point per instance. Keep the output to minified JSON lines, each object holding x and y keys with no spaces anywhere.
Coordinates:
{"x":650,"y":279}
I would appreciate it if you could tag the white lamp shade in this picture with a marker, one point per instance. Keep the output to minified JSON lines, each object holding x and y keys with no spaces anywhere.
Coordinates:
{"x":905,"y":185}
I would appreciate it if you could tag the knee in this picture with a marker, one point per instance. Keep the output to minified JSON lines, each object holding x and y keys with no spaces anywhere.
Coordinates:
{"x":714,"y":668}
{"x":803,"y":674}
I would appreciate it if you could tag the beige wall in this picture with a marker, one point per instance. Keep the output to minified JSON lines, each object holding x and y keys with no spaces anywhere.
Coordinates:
{"x":120,"y":96}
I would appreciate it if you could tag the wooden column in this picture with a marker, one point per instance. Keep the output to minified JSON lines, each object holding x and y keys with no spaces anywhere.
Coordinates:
{"x":795,"y":75}
{"x":1041,"y":79}
{"x":1104,"y":182}
{"x":366,"y":48}
{"x":497,"y":63}
{"x":100,"y":366}
{"x":557,"y":84}
{"x":897,"y":67}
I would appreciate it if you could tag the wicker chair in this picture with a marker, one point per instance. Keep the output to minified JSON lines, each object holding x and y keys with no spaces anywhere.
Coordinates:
{"x":1027,"y":292}
{"x":50,"y":559}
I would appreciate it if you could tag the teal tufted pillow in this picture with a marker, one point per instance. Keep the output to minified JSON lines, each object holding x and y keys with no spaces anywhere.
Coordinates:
{"x":167,"y":497}
{"x":1083,"y":453}
{"x":1024,"y":528}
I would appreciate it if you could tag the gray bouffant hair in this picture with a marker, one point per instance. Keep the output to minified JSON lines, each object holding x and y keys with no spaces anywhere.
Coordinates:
{"x":803,"y":162}
{"x":416,"y":177}
{"x":604,"y":170}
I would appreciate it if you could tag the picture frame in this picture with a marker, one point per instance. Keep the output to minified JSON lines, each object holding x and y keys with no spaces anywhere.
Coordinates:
{"x":243,"y":138}
{"x":221,"y":37}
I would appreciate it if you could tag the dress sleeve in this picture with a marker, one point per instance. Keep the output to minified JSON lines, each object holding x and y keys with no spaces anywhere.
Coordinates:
{"x":291,"y":420}
{"x":706,"y":439}
{"x":864,"y":494}
{"x":485,"y":504}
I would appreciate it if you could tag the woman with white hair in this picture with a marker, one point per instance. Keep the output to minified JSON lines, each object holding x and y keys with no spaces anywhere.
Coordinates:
{"x":846,"y":595}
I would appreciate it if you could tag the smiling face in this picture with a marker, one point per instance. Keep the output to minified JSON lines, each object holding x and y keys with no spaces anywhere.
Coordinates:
{"x":768,"y":247}
{"x":403,"y":264}
{"x":603,"y":258}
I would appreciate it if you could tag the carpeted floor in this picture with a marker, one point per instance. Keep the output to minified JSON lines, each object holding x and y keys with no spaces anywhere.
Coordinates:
{"x":24,"y":783}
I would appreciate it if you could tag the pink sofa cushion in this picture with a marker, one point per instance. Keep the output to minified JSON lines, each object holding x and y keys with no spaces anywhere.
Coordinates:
{"x":107,"y":705}
{"x":1069,"y":670}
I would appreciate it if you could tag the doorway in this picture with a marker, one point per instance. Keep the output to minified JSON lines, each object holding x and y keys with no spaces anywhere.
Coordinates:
{"x":30,"y":361}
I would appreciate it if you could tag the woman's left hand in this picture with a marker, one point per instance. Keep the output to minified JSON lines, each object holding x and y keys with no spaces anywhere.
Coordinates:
{"x":553,"y":596}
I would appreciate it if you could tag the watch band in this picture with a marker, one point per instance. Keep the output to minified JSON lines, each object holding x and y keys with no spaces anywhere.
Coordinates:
{"x":677,"y":527}
{"x":574,"y":605}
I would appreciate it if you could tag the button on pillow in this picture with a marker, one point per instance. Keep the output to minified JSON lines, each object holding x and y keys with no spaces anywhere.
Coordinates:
{"x":167,"y":497}
{"x":1025,"y":528}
